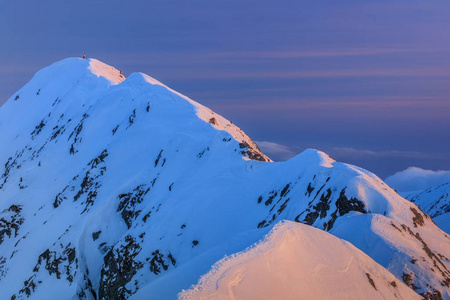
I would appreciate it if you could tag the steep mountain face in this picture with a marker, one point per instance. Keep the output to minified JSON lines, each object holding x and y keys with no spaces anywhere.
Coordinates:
{"x":325,"y":268}
{"x":117,"y":188}
{"x":435,"y":202}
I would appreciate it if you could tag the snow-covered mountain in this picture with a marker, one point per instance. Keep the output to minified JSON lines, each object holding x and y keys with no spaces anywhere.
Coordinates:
{"x":435,"y":202}
{"x":117,"y":188}
{"x":325,"y":268}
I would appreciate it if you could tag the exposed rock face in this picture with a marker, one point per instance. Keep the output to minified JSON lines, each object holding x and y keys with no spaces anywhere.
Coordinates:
{"x":118,"y":270}
{"x":10,"y":221}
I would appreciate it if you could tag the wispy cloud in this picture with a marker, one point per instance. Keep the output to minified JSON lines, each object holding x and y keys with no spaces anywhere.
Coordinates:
{"x":353,"y":152}
{"x":279,"y":151}
{"x":311,"y":53}
{"x":276,"y":151}
{"x":209,"y":73}
{"x":362,"y":103}
{"x":201,"y":61}
{"x":204,"y":56}
{"x":331,"y":73}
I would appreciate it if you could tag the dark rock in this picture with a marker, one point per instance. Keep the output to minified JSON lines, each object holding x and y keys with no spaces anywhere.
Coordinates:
{"x":408,"y":280}
{"x":434,"y":295}
{"x":213,"y":121}
{"x":131,"y":118}
{"x":115,"y":129}
{"x":38,"y":129}
{"x":158,"y":158}
{"x":285,"y":190}
{"x":10,"y":222}
{"x":128,"y":202}
{"x":76,"y":134}
{"x":272,"y":194}
{"x":418,"y":218}
{"x":119,"y":267}
{"x":157,"y":262}
{"x":96,"y":235}
{"x":372,"y":283}
{"x":309,"y":189}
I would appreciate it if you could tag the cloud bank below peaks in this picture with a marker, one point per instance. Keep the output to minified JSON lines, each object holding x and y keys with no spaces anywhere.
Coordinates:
{"x":415,"y":179}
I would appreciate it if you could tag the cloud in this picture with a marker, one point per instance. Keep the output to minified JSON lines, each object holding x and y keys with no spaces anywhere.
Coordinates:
{"x":319,"y":53}
{"x":313,"y":74}
{"x":348,"y":151}
{"x":361,"y":103}
{"x":414,"y":178}
{"x":276,"y":151}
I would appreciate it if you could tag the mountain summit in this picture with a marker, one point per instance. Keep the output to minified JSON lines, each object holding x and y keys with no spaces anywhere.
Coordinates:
{"x":117,"y":187}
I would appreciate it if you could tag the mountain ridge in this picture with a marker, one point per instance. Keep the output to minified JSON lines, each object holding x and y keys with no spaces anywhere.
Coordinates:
{"x":132,"y":183}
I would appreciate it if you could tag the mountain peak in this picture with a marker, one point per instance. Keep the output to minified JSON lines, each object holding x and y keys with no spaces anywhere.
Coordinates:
{"x":106,"y":71}
{"x":73,"y":85}
{"x":314,"y":157}
{"x":75,"y":66}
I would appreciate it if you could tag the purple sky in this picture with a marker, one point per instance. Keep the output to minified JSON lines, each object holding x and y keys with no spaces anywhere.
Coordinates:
{"x":368,"y":83}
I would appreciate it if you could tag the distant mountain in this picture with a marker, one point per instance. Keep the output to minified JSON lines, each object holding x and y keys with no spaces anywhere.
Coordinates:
{"x":443,"y":221}
{"x":117,"y":187}
{"x":434,"y":201}
{"x":325,"y":268}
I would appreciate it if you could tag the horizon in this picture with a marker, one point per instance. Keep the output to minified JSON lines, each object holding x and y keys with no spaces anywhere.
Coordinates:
{"x":292,"y":76}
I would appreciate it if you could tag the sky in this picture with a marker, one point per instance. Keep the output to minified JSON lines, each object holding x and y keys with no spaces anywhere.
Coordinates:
{"x":368,"y":82}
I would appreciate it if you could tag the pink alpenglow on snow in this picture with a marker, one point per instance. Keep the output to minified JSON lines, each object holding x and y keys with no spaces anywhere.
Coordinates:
{"x":296,"y":261}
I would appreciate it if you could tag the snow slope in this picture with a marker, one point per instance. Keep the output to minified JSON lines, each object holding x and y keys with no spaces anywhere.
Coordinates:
{"x":115,"y":187}
{"x":296,"y":261}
